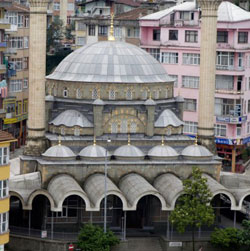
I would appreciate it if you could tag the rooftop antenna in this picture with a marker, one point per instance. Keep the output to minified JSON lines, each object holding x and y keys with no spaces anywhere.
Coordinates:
{"x":111,"y":32}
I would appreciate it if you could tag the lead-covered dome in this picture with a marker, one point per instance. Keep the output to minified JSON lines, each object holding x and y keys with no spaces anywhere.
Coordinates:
{"x":196,"y":152}
{"x":128,"y":152}
{"x":110,"y":62}
{"x":94,"y":152}
{"x":59,"y":152}
{"x":162,"y":152}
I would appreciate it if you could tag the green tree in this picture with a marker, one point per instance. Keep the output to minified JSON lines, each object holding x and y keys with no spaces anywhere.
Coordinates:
{"x":92,"y":238}
{"x":244,"y":234}
{"x":54,"y":34}
{"x":68,"y":32}
{"x":227,"y":238}
{"x":193,"y":208}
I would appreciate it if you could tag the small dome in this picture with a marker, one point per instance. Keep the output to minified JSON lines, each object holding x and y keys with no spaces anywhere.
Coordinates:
{"x":71,"y":118}
{"x":162,"y":152}
{"x":128,"y":152}
{"x":58,"y":152}
{"x":196,"y":151}
{"x":94,"y":152}
{"x":166,"y":118}
{"x":49,"y":98}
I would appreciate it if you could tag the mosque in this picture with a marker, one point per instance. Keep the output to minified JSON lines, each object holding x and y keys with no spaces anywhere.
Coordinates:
{"x":108,"y":106}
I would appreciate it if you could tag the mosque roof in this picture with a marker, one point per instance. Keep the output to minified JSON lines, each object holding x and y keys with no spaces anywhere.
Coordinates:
{"x":162,"y":151}
{"x":93,"y":151}
{"x":110,"y":62}
{"x":128,"y":152}
{"x":196,"y":151}
{"x":166,"y":118}
{"x":71,"y":118}
{"x":59,"y":151}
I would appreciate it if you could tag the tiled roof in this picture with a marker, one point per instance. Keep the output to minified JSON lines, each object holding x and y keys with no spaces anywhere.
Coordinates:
{"x":5,"y":136}
{"x":17,"y":7}
{"x":132,"y":14}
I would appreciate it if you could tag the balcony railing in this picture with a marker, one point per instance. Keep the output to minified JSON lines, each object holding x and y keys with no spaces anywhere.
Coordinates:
{"x":230,"y":68}
{"x":2,"y":67}
{"x":234,"y":92}
{"x":180,"y":23}
{"x":4,"y":21}
{"x":231,"y":119}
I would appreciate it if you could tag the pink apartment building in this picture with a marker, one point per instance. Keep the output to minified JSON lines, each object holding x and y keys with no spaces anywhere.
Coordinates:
{"x":173,"y":37}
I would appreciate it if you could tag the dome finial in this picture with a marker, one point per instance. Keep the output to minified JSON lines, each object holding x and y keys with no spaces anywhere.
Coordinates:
{"x":162,"y":140}
{"x":94,"y":141}
{"x":196,"y":140}
{"x":59,"y":140}
{"x":111,"y":32}
{"x":128,"y":139}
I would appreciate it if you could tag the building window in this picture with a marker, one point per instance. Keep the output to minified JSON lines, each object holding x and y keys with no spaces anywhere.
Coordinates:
{"x":173,"y":35}
{"x":78,"y":93}
{"x":190,"y":82}
{"x":191,"y":58}
{"x":242,"y":37}
{"x":65,"y":93}
{"x":25,"y":42}
{"x":117,"y":31}
{"x":248,"y":127}
{"x":19,"y":108}
{"x":56,"y":5}
{"x":175,"y":78}
{"x":133,"y":32}
{"x":190,"y":127}
{"x":71,"y":6}
{"x":25,"y":63}
{"x":102,"y":30}
{"x":129,"y":94}
{"x":12,"y":17}
{"x":248,"y":106}
{"x":191,"y":36}
{"x":156,"y":34}
{"x":112,"y":94}
{"x":240,"y":59}
{"x":225,"y":59}
{"x":4,"y":222}
{"x":18,"y":63}
{"x":4,"y":155}
{"x":155,"y":53}
{"x":91,"y":30}
{"x":169,"y":57}
{"x":156,"y":94}
{"x":25,"y":106}
{"x":62,"y":131}
{"x":81,"y":40}
{"x":77,"y":131}
{"x":95,"y":93}
{"x":190,"y":105}
{"x":224,"y":82}
{"x":16,"y":42}
{"x":144,"y":94}
{"x":133,"y":127}
{"x":222,"y":36}
{"x":224,"y":107}
{"x":220,"y":130}
{"x":238,"y":130}
{"x":16,"y":85}
{"x":26,"y":22}
{"x":124,"y":126}
{"x":81,"y":26}
{"x":4,"y":188}
{"x":114,"y":127}
{"x":186,"y":15}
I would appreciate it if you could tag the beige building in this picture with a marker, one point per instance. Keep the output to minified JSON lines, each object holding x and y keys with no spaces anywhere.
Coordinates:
{"x":17,"y":55}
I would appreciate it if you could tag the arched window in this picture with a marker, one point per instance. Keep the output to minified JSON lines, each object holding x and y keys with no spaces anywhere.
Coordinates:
{"x":62,"y":131}
{"x":94,"y":93}
{"x":124,"y":126}
{"x":77,"y":131}
{"x":168,"y":131}
{"x":112,"y":94}
{"x":129,"y":94}
{"x":54,"y":91}
{"x":114,"y":127}
{"x":53,"y":130}
{"x":78,"y":93}
{"x":133,"y":127}
{"x":167,"y":93}
{"x":156,"y":94}
{"x":65,"y":93}
{"x":144,"y":94}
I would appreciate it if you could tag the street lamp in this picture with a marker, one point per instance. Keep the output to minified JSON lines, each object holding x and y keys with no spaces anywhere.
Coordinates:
{"x":105,"y":187}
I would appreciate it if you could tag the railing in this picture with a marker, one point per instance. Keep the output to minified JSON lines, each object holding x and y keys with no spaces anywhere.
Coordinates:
{"x":230,"y":68}
{"x":4,"y":21}
{"x":180,"y":23}
{"x":2,"y":67}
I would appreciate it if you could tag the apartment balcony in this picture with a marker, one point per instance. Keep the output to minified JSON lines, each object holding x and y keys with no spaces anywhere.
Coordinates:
{"x":230,"y":68}
{"x":10,"y":51}
{"x":232,"y":92}
{"x":3,"y":46}
{"x":180,"y":23}
{"x":2,"y":68}
{"x":231,"y":119}
{"x":4,"y":23}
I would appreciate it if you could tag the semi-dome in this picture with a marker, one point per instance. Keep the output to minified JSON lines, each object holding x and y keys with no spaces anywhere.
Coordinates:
{"x":162,"y":152}
{"x":129,"y":152}
{"x":71,"y":118}
{"x":93,"y":152}
{"x":59,"y":152}
{"x":196,"y":151}
{"x":110,"y":62}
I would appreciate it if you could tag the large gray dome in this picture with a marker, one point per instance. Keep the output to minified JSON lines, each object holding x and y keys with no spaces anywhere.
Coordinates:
{"x":110,"y":62}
